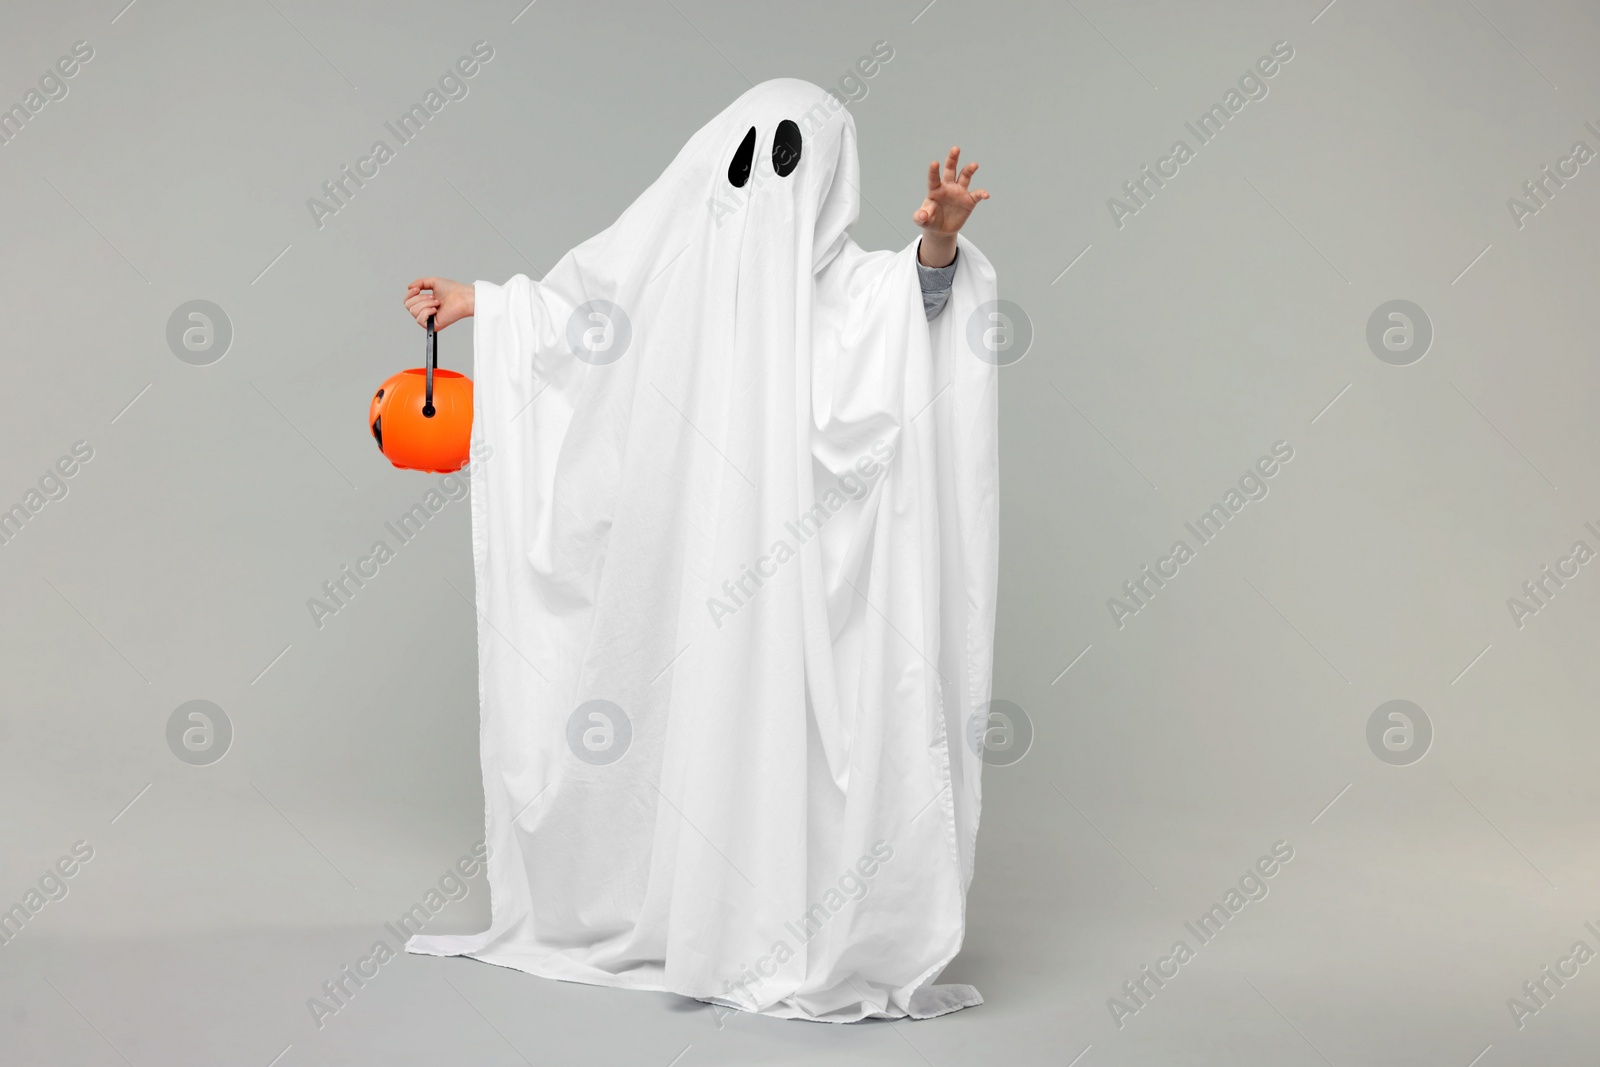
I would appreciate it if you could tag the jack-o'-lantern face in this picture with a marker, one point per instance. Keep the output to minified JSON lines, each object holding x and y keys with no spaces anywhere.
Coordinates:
{"x":375,"y":418}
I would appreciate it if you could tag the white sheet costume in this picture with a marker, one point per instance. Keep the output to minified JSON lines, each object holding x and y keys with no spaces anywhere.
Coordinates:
{"x":735,"y":539}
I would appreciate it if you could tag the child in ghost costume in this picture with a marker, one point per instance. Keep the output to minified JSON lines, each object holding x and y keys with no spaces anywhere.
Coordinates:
{"x":734,"y":528}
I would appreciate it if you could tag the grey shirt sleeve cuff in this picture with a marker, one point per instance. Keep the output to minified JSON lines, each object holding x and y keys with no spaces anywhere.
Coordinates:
{"x":936,"y":285}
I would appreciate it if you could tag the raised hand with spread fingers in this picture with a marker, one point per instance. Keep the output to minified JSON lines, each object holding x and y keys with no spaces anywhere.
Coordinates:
{"x":945,"y":210}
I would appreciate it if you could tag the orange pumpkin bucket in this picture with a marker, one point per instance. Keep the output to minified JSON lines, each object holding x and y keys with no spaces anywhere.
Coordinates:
{"x":422,"y":417}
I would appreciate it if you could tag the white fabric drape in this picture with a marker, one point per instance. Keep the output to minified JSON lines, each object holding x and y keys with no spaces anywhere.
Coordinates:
{"x":766,"y":534}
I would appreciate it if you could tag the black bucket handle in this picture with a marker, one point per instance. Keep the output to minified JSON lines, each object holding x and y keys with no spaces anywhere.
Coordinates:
{"x":433,"y":361}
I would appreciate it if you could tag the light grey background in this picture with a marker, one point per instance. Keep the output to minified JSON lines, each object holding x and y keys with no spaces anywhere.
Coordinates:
{"x":1230,"y":713}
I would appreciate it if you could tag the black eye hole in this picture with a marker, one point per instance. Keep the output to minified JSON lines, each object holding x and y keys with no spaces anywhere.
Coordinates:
{"x":786,"y":148}
{"x":739,"y":169}
{"x":377,"y":431}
